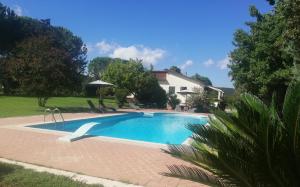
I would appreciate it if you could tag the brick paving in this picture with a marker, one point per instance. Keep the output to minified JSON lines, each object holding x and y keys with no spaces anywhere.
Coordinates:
{"x":115,"y":160}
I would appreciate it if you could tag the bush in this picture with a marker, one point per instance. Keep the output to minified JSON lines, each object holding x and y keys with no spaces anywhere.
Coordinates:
{"x":108,"y":91}
{"x":149,"y":92}
{"x":173,"y":100}
{"x":121,"y":95}
{"x":199,"y":102}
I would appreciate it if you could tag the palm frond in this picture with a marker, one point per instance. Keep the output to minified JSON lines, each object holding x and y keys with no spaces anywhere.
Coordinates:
{"x":255,"y":146}
{"x":194,"y":174}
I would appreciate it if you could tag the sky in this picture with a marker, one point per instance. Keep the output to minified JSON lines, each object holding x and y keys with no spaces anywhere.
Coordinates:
{"x":195,"y":35}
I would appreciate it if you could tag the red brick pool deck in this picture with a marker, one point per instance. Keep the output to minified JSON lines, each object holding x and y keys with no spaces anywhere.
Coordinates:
{"x":134,"y":163}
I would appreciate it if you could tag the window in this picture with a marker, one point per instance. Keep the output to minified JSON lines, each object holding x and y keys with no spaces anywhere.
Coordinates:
{"x":183,"y":88}
{"x":171,"y":89}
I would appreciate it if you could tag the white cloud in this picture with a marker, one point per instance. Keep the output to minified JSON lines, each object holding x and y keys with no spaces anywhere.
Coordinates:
{"x":105,"y":47}
{"x":18,"y":10}
{"x":208,"y":62}
{"x":90,"y":48}
{"x":114,"y":50}
{"x":186,"y":64}
{"x":222,"y":64}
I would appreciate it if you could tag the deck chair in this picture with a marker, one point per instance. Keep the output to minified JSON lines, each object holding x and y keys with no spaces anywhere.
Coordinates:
{"x":107,"y":109}
{"x":93,"y":108}
{"x":133,"y":106}
{"x":178,"y":108}
{"x":192,"y":110}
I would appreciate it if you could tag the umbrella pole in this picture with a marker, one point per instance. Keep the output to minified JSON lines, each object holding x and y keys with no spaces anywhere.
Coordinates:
{"x":99,"y":98}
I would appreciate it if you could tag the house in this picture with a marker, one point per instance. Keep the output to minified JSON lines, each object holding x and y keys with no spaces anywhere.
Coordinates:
{"x":174,"y":83}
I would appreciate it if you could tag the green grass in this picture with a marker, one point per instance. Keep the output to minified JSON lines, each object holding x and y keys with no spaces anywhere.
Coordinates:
{"x":17,"y":176}
{"x":24,"y":106}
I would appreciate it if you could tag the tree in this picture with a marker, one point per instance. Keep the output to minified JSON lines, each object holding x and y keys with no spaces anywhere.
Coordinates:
{"x":260,"y":63}
{"x":173,"y":101}
{"x":42,"y":69}
{"x":124,"y":74}
{"x":291,"y":12}
{"x":205,"y":80}
{"x":137,"y":80}
{"x":175,"y":69}
{"x":98,"y":65}
{"x":121,"y":94}
{"x":149,"y":92}
{"x":17,"y":31}
{"x":252,"y":147}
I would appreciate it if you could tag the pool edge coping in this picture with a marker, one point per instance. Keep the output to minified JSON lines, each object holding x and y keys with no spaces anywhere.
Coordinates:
{"x":26,"y":127}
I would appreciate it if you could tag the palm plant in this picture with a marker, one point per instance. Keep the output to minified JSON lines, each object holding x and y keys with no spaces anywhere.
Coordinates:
{"x":255,"y":146}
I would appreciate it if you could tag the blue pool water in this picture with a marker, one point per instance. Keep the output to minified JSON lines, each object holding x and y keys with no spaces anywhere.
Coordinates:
{"x":159,"y":128}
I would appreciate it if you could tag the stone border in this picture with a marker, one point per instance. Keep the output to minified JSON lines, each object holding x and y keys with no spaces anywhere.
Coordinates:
{"x":74,"y":176}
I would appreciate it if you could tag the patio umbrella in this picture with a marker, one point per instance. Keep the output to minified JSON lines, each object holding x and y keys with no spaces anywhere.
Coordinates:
{"x":186,"y":93}
{"x":99,"y":84}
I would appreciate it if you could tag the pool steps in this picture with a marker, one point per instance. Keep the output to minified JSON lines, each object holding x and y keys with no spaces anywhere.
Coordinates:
{"x":81,"y":131}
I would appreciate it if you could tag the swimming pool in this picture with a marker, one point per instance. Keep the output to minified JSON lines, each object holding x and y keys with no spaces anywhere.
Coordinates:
{"x":154,"y":127}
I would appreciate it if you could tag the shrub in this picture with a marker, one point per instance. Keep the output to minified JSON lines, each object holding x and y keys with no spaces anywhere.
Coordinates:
{"x":199,"y":102}
{"x":173,"y":101}
{"x":149,"y":92}
{"x":121,"y":95}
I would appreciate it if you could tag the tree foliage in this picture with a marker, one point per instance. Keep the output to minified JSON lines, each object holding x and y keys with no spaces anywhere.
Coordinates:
{"x":98,"y":65}
{"x":205,"y":80}
{"x":252,"y":147}
{"x":149,"y":92}
{"x":173,"y":101}
{"x":132,"y":76}
{"x":37,"y":58}
{"x":260,"y":63}
{"x":124,"y":74}
{"x":43,"y":70}
{"x":291,"y":15}
{"x":175,"y":68}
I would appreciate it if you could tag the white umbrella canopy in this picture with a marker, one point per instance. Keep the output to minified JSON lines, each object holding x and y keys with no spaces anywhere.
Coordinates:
{"x":186,"y":93}
{"x":99,"y":84}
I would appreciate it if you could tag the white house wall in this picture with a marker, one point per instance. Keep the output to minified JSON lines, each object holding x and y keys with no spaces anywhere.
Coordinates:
{"x":180,"y":82}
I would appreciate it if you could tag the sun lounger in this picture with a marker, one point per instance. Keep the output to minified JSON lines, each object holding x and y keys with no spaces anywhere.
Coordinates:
{"x":178,"y":108}
{"x":133,"y":106}
{"x":93,"y":108}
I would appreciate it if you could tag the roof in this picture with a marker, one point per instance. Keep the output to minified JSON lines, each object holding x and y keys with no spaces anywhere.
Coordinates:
{"x":181,"y":76}
{"x":165,"y":82}
{"x":186,"y":78}
{"x":214,"y":88}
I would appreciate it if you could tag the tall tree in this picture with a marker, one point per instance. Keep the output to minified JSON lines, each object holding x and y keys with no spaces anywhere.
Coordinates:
{"x":42,"y":69}
{"x":175,"y":68}
{"x":206,"y":81}
{"x":260,"y":63}
{"x":17,"y":32}
{"x":133,"y":77}
{"x":98,"y":65}
{"x":291,"y":12}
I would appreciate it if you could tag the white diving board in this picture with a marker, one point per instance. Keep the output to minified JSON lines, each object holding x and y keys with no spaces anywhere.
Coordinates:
{"x":81,"y":131}
{"x":148,"y":114}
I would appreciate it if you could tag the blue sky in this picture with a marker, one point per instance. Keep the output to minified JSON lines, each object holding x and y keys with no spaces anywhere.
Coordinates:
{"x":195,"y":35}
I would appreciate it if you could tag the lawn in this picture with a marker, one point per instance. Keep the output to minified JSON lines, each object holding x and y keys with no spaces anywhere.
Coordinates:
{"x":17,"y":176}
{"x":24,"y":106}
